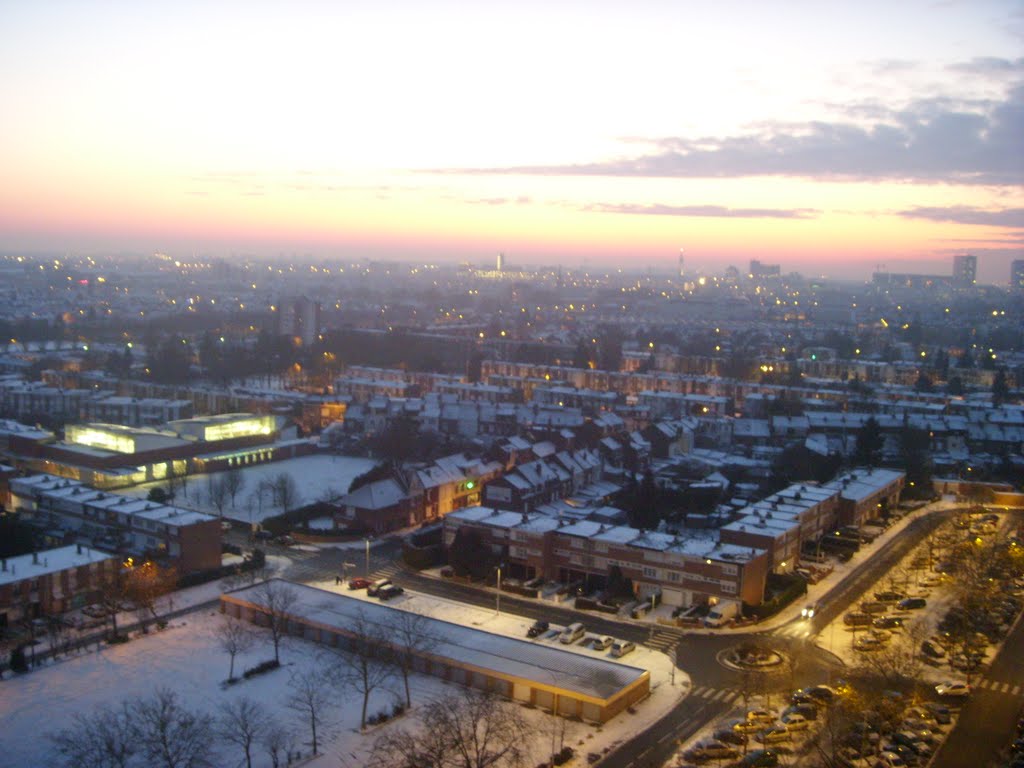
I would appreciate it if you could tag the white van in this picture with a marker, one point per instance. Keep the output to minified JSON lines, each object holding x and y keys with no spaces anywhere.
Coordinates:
{"x":572,"y":633}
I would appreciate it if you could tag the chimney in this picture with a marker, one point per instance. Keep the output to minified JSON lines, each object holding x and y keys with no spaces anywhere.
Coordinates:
{"x":4,"y":564}
{"x":35,"y":558}
{"x":78,"y":548}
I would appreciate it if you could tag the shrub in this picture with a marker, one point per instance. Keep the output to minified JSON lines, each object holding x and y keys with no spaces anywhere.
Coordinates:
{"x":383,"y":716}
{"x":18,"y":661}
{"x":259,"y":669}
{"x":397,"y":709}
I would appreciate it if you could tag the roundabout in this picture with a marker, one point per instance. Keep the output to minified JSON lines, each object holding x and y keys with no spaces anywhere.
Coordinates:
{"x":750,"y":657}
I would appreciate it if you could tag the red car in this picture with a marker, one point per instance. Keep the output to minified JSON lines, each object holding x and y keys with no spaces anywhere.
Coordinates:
{"x":358,"y":583}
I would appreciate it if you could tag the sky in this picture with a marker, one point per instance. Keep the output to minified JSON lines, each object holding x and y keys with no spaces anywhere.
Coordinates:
{"x":830,"y":137}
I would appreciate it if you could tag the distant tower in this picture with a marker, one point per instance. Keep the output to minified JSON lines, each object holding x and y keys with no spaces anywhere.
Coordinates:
{"x":300,"y":318}
{"x":682,"y":273}
{"x":501,"y":262}
{"x":1017,"y":275}
{"x":965,"y":269}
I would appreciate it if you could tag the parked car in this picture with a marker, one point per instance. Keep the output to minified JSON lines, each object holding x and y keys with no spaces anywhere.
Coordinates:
{"x":539,"y":627}
{"x":621,"y":648}
{"x":760,"y":716}
{"x":263,"y":535}
{"x":857,"y":619}
{"x":603,"y":643}
{"x":823,"y":693}
{"x":909,"y":739}
{"x":806,"y":710}
{"x":911,"y":603}
{"x":285,"y":540}
{"x":358,"y":583}
{"x":940,"y":711}
{"x":774,"y":735}
{"x":888,"y":622}
{"x":889,"y":596}
{"x":376,"y":586}
{"x":709,"y":749}
{"x":571,"y":633}
{"x":745,"y":726}
{"x":903,"y":752}
{"x":934,"y":650}
{"x":389,"y":591}
{"x":760,"y":758}
{"x":795,"y":722}
{"x":890,"y":760}
{"x":953,"y":689}
{"x":729,"y":736}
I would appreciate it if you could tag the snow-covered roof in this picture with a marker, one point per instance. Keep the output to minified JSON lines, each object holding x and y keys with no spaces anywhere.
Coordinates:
{"x":49,"y":561}
{"x":379,"y":495}
{"x":545,"y":665}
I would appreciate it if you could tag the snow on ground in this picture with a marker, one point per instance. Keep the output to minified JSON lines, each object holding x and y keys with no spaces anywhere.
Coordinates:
{"x":316,"y":477}
{"x":664,"y":694}
{"x":185,"y":658}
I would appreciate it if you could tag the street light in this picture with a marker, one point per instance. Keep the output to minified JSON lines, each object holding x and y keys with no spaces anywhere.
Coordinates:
{"x":367,"y":540}
{"x":497,"y":596}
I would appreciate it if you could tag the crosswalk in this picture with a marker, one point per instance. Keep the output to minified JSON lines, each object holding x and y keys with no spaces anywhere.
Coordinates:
{"x":998,"y":686}
{"x":662,"y":640}
{"x":800,"y":630}
{"x":724,"y":695}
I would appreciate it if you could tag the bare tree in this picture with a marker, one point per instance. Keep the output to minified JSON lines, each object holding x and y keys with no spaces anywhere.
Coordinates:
{"x":171,"y":736}
{"x":145,"y":585}
{"x":277,"y":741}
{"x":365,"y":665}
{"x":102,"y":739}
{"x":410,"y":636}
{"x":285,"y":492}
{"x":234,"y":637}
{"x":112,"y":595}
{"x":241,"y":722}
{"x":309,"y":698}
{"x":216,"y":490}
{"x":234,"y":482}
{"x":470,"y":729}
{"x":276,"y":599}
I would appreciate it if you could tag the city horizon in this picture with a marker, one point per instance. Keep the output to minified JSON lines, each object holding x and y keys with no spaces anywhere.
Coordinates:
{"x":603,"y":136}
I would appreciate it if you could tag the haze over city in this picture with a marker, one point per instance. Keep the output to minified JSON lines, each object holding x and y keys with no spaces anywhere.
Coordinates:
{"x":829,"y":137}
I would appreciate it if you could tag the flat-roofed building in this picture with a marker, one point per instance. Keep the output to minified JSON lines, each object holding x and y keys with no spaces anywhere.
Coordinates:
{"x":569,"y":684}
{"x":127,"y":525}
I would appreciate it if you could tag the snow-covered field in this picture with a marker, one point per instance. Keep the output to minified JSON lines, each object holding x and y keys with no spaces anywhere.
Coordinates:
{"x":185,"y":658}
{"x":316,"y":477}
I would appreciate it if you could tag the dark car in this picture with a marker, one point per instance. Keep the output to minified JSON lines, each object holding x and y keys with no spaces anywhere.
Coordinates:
{"x":889,"y":596}
{"x":934,"y":650}
{"x":940,"y":712}
{"x":538,"y":627}
{"x":911,"y":603}
{"x":374,"y":589}
{"x":263,"y":535}
{"x":729,"y":736}
{"x":887,"y":622}
{"x":807,"y":709}
{"x":358,"y":583}
{"x":760,"y":758}
{"x":389,"y":591}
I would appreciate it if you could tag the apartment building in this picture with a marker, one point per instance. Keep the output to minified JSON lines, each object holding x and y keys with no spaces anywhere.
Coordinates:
{"x":51,"y":582}
{"x":683,"y":570}
{"x":124,"y":524}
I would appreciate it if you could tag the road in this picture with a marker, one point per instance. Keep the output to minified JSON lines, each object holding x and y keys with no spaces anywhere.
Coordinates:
{"x":715,"y":688}
{"x":987,"y":720}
